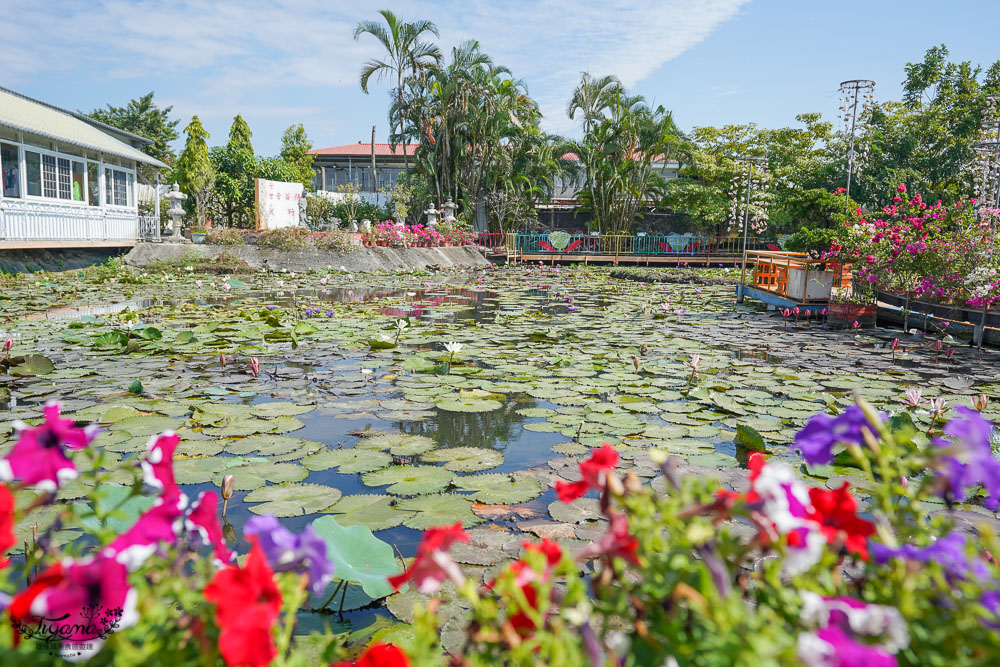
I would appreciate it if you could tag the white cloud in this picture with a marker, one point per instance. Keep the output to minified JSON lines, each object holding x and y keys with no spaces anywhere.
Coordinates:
{"x":225,"y":54}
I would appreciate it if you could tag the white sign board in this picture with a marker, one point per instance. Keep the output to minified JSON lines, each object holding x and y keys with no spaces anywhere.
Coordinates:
{"x":277,"y":203}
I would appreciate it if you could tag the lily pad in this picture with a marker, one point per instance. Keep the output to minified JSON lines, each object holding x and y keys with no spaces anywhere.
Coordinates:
{"x":439,"y":510}
{"x":285,"y":500}
{"x":465,"y":459}
{"x":500,"y":488}
{"x":410,"y":480}
{"x":374,"y":511}
{"x":348,"y":461}
{"x":359,"y":556}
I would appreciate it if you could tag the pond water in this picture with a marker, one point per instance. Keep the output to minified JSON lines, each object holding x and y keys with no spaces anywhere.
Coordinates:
{"x":378,"y":425}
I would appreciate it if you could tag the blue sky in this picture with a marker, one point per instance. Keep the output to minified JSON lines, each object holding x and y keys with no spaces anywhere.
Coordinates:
{"x":711,"y":61}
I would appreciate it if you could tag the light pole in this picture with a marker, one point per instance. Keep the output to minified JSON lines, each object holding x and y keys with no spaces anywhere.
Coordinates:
{"x":750,"y":161}
{"x":986,"y":167}
{"x":854,"y":92}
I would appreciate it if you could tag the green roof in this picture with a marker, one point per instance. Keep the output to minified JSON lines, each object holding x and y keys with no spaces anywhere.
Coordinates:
{"x":27,"y":115}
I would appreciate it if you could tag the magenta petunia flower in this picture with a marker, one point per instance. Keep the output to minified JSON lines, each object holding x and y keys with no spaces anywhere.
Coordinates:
{"x":203,"y":520}
{"x":158,"y":466}
{"x":38,"y":458}
{"x":162,"y":523}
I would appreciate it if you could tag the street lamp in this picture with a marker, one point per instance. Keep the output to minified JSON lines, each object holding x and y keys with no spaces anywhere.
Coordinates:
{"x":986,"y":166}
{"x":854,"y":93}
{"x":750,"y":161}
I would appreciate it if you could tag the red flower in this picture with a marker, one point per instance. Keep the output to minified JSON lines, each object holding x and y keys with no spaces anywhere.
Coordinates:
{"x":378,"y":655}
{"x":433,"y":564}
{"x":617,"y":542}
{"x":600,"y":461}
{"x":7,"y":539}
{"x":247,"y":603}
{"x":836,"y":512}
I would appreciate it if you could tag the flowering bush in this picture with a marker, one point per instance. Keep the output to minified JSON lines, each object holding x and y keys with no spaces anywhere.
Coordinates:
{"x":936,"y":252}
{"x":776,"y":572}
{"x":388,"y":233}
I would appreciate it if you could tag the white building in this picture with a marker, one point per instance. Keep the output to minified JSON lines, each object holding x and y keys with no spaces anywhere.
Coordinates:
{"x":67,"y":180}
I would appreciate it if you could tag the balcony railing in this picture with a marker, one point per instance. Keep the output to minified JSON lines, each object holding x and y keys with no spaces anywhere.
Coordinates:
{"x":618,"y":244}
{"x":42,"y":221}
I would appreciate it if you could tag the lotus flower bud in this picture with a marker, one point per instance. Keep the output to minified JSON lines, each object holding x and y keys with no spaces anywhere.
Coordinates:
{"x":980,"y":402}
{"x":228,"y":486}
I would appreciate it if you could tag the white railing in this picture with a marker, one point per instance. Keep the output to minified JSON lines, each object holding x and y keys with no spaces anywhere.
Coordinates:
{"x":149,"y":227}
{"x":37,"y":221}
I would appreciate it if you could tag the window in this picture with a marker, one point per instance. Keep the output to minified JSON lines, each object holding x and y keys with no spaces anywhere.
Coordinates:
{"x":49,"y":180}
{"x":65,"y":189}
{"x":10,"y":170}
{"x":94,"y":183}
{"x":79,"y":182}
{"x":116,"y":187}
{"x":33,"y":171}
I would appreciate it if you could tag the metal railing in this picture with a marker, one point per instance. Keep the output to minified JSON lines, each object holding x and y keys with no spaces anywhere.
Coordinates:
{"x":149,"y":228}
{"x":521,"y":243}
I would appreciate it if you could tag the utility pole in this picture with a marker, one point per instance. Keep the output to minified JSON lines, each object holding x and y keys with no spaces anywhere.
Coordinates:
{"x":750,"y":161}
{"x":374,"y":175}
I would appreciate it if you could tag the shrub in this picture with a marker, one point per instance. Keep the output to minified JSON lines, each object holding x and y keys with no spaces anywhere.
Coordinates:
{"x":814,"y":241}
{"x":337,"y":241}
{"x":227,"y":236}
{"x":287,"y":238}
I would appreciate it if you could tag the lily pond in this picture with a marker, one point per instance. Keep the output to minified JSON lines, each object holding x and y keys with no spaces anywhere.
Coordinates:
{"x":358,"y":411}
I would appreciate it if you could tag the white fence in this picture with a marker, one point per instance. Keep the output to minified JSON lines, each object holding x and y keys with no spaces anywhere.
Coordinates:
{"x":35,"y":221}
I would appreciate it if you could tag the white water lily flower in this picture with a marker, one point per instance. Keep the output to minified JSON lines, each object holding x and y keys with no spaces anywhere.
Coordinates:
{"x":402,"y":324}
{"x":366,"y":371}
{"x":453,"y":347}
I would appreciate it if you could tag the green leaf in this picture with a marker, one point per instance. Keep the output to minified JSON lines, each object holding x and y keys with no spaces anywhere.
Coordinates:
{"x":349,"y":461}
{"x":369,"y":509}
{"x":465,"y":459}
{"x":304,"y":328}
{"x":32,"y":364}
{"x":500,"y":488}
{"x":410,"y":480}
{"x":122,"y":511}
{"x":151,"y":333}
{"x":748,"y":437}
{"x":286,"y":500}
{"x":439,"y":510}
{"x":359,"y":556}
{"x":136,"y":387}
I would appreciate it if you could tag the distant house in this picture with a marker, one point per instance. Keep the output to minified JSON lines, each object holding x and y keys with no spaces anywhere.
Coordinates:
{"x":67,"y":180}
{"x":352,"y":163}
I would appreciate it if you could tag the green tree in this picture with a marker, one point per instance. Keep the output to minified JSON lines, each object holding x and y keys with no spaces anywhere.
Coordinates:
{"x":404,"y":52}
{"x":295,"y":147}
{"x":236,"y":167}
{"x":143,"y":117}
{"x":194,"y":171}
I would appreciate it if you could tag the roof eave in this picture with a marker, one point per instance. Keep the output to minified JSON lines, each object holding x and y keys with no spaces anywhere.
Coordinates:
{"x":147,"y":159}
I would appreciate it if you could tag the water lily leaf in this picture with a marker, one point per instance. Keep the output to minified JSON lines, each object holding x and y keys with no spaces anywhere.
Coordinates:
{"x":280,"y":409}
{"x":256,"y":474}
{"x":359,"y":556}
{"x":500,"y":488}
{"x":266,"y":444}
{"x":146,"y":425}
{"x":151,"y":333}
{"x":349,"y":461}
{"x":578,"y":511}
{"x":410,"y":480}
{"x":368,"y":509}
{"x":418,"y":364}
{"x":32,"y":364}
{"x":286,"y":500}
{"x":469,"y":405}
{"x":398,"y":444}
{"x":465,"y":459}
{"x":122,"y":511}
{"x":439,"y":510}
{"x":750,"y":439}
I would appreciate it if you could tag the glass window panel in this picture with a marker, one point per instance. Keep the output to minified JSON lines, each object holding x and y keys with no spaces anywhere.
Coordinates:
{"x":33,"y":172}
{"x":108,"y":180}
{"x":10,"y":170}
{"x":65,"y":187}
{"x":94,"y":183}
{"x":131,"y":190}
{"x":79,"y":182}
{"x":49,"y":180}
{"x":121,"y":196}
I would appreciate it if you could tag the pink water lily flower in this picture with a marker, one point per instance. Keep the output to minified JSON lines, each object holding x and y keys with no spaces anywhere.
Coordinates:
{"x":254,"y":366}
{"x":914,"y":397}
{"x":38,"y":458}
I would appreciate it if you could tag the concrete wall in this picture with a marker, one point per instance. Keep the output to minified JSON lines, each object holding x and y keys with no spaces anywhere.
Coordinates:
{"x":54,"y":259}
{"x":361,"y":260}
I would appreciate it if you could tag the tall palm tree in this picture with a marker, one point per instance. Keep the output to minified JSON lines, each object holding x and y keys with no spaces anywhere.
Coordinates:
{"x":405,"y":51}
{"x":592,"y":97}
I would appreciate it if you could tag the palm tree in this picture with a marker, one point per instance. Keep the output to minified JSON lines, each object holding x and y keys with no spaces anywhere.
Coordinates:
{"x":592,"y":97}
{"x":405,"y":51}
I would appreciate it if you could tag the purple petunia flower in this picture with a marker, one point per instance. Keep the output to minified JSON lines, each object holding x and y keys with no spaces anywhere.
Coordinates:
{"x":949,"y":551}
{"x":39,"y":458}
{"x":286,"y":551}
{"x":968,"y":459}
{"x":822,"y":432}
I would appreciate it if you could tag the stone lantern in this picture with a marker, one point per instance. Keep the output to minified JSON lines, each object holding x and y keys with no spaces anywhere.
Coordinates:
{"x":175,"y":211}
{"x":448,"y":211}
{"x":432,"y":216}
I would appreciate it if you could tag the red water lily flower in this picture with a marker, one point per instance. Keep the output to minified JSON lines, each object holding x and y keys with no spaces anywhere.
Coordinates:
{"x":7,"y":538}
{"x":433,"y":564}
{"x":592,"y":469}
{"x":82,"y":599}
{"x":836,"y":512}
{"x":247,"y":603}
{"x":38,"y":458}
{"x":378,"y":655}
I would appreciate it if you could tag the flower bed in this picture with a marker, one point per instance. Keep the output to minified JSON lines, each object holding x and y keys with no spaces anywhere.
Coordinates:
{"x":388,"y":233}
{"x":688,"y":572}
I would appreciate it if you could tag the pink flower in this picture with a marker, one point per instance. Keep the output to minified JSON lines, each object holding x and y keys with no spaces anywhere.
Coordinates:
{"x":618,"y":542}
{"x":593,"y":470}
{"x":204,"y":521}
{"x":254,"y":366}
{"x":158,"y":466}
{"x":161,"y":523}
{"x":895,"y":343}
{"x":914,"y":397}
{"x":902,"y":188}
{"x":433,"y":564}
{"x":856,"y":324}
{"x":39,"y":458}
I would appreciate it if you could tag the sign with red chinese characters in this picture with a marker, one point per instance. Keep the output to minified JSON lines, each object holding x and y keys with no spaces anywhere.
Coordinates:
{"x":276,"y":203}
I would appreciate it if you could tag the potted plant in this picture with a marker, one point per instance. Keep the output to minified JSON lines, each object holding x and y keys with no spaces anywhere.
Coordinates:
{"x":197,"y":234}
